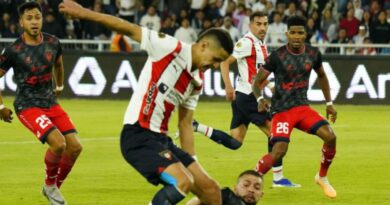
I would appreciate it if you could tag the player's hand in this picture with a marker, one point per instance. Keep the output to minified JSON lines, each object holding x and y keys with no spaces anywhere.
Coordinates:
{"x":71,"y":9}
{"x":330,"y":111}
{"x":263,"y":105}
{"x":57,"y":93}
{"x":230,"y":94}
{"x":6,"y":115}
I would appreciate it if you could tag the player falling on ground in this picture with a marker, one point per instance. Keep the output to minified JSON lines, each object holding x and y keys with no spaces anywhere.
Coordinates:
{"x":292,"y":65}
{"x":250,"y":53}
{"x":171,"y":78}
{"x":32,"y":57}
{"x":247,"y":191}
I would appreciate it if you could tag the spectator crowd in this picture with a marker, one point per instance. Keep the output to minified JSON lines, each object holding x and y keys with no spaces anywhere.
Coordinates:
{"x":328,"y":21}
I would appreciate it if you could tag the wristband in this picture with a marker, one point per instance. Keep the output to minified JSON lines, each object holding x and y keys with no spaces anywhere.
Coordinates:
{"x":2,"y":106}
{"x":271,"y":85}
{"x":259,"y":98}
{"x":59,"y":88}
{"x":329,"y":103}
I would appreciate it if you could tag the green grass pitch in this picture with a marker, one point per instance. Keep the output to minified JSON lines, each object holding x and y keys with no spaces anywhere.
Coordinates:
{"x":360,"y":172}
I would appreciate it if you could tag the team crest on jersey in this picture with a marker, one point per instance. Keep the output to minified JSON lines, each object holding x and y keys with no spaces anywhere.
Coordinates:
{"x":48,"y":56}
{"x":166,"y":154}
{"x":28,"y":60}
{"x":307,"y":65}
{"x":161,"y":35}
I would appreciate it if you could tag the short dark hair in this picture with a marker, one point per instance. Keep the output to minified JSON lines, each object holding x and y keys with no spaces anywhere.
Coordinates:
{"x":257,"y":14}
{"x":250,"y":172}
{"x":28,"y":6}
{"x":296,"y":21}
{"x":222,"y":36}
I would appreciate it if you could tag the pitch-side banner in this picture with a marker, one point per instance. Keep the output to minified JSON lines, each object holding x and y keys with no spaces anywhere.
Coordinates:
{"x":353,"y":79}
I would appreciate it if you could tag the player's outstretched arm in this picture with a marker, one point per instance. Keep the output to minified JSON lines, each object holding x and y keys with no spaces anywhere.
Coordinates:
{"x":225,"y":68}
{"x":59,"y":75}
{"x":324,"y":84}
{"x":74,"y":10}
{"x":185,"y":130}
{"x":5,"y":113}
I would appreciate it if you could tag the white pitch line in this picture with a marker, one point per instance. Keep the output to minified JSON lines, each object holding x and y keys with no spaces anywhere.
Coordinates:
{"x":81,"y":139}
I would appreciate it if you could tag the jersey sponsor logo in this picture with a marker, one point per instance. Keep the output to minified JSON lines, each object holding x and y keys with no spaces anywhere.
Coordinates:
{"x":33,"y":80}
{"x":149,"y":98}
{"x":294,"y":85}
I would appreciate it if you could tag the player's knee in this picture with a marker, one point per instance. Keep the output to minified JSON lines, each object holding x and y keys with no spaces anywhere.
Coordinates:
{"x":331,"y":139}
{"x":185,"y":184}
{"x":58,"y":147}
{"x":75,"y":150}
{"x":235,"y":144}
{"x":212,"y":188}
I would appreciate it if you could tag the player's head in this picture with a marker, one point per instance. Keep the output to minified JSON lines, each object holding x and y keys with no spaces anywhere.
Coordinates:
{"x":258,"y":24}
{"x":212,"y":47}
{"x":30,"y":18}
{"x":296,"y":32}
{"x":249,"y":187}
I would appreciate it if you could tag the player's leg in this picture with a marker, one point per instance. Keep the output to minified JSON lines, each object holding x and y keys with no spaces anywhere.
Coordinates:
{"x":149,"y":153}
{"x":313,"y":123}
{"x":36,"y":120}
{"x":177,"y":184}
{"x":73,"y":146}
{"x":277,"y":169}
{"x":237,"y":130}
{"x":69,"y":157}
{"x":326,"y":133}
{"x":204,"y":187}
{"x":282,"y":125}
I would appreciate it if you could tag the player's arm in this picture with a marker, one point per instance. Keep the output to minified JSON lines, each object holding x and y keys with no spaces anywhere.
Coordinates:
{"x":5,"y":113}
{"x":258,"y":84}
{"x":59,"y":75}
{"x":74,"y":10}
{"x":185,"y":130}
{"x":324,"y":85}
{"x":225,"y":70}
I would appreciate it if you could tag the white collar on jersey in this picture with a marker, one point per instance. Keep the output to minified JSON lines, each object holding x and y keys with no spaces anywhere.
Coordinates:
{"x":257,"y":40}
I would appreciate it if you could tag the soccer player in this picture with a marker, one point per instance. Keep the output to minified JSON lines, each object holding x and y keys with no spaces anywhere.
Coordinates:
{"x":33,"y":56}
{"x":292,"y":65}
{"x":250,"y":53}
{"x":247,"y":191}
{"x":171,"y":78}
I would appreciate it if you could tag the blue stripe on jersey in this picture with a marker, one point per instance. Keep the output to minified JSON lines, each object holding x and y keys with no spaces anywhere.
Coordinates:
{"x":168,"y":179}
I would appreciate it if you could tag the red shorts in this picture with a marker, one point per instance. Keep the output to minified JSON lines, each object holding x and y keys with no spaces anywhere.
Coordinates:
{"x":41,"y":121}
{"x":301,"y":117}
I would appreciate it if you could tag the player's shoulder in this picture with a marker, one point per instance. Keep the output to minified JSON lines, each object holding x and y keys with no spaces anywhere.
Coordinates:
{"x":311,"y":49}
{"x":14,"y":47}
{"x":243,"y":42}
{"x":50,"y":38}
{"x":229,"y":198}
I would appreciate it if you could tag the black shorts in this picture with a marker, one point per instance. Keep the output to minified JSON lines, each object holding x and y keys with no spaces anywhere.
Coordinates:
{"x":244,"y":111}
{"x":150,"y":152}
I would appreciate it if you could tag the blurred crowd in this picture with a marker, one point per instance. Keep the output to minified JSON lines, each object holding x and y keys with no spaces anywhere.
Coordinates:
{"x":328,"y":21}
